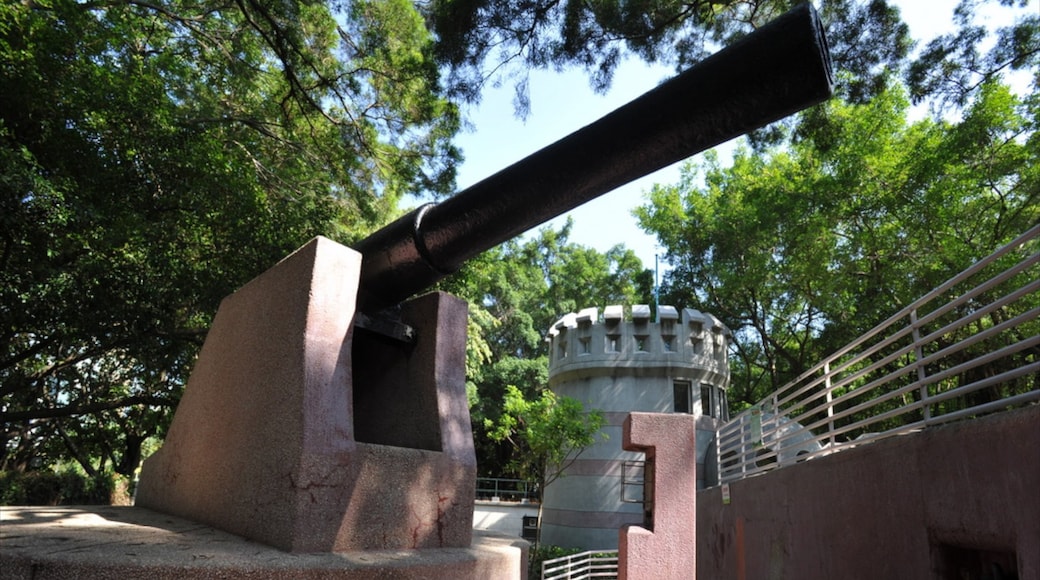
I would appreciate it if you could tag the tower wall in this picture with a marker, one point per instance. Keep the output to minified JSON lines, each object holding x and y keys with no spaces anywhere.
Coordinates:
{"x":618,"y":363}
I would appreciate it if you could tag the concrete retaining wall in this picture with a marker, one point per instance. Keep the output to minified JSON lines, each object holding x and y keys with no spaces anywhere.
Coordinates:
{"x":958,"y":501}
{"x":502,"y":517}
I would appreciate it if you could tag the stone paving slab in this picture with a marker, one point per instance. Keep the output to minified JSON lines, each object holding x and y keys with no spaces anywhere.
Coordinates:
{"x":128,"y":543}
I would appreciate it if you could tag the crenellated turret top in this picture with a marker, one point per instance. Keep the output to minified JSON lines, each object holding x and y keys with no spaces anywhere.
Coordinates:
{"x":632,"y":339}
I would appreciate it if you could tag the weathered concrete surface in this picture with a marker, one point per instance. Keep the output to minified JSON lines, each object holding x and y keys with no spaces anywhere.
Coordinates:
{"x":948,"y":502}
{"x":131,"y":543}
{"x":504,"y":517}
{"x":666,"y":548}
{"x":280,"y":439}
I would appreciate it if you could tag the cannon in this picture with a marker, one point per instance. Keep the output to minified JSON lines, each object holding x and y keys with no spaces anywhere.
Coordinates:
{"x":778,"y":70}
{"x":298,"y":432}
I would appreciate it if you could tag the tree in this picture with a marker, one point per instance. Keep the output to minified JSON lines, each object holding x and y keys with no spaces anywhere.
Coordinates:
{"x":509,"y":37}
{"x":799,"y":250}
{"x":157,"y":155}
{"x":516,"y":292}
{"x":546,"y":434}
{"x":952,"y":68}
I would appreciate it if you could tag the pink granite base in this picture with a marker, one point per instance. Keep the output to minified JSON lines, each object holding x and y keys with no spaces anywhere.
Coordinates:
{"x":284,"y":438}
{"x":664,"y":548}
{"x":130,"y":543}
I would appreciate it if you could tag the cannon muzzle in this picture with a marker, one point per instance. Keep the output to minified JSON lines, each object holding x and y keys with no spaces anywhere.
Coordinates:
{"x":781,"y":68}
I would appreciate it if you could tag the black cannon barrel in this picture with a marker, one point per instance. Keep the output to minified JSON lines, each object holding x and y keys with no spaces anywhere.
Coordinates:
{"x":781,"y":68}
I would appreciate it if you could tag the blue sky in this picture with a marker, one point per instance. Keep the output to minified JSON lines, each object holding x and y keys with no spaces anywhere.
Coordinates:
{"x":563,"y":102}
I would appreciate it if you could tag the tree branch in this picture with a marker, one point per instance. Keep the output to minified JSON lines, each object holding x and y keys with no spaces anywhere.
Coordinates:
{"x":76,"y":410}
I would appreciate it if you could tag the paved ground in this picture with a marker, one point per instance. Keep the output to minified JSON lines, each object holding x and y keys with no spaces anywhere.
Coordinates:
{"x":126,"y":543}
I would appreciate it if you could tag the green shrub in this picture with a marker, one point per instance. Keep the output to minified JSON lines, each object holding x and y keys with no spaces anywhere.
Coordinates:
{"x":64,"y":487}
{"x":542,"y":552}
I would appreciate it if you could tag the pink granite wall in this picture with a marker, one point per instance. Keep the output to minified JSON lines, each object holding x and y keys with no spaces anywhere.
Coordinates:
{"x":954,"y":502}
{"x":280,"y":438}
{"x":664,"y":547}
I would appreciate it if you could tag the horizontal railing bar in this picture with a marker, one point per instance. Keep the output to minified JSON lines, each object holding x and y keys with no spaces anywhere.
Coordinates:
{"x":979,"y":313}
{"x":1027,"y":397}
{"x":980,"y":336}
{"x":955,"y":325}
{"x":979,"y":289}
{"x":987,"y":358}
{"x":902,"y":333}
{"x":946,"y":395}
{"x":937,"y":292}
{"x":590,"y":564}
{"x":810,"y":398}
{"x":859,"y":391}
{"x":956,"y":347}
{"x":1003,"y":377}
{"x":916,"y":385}
{"x":942,"y":288}
{"x":993,"y":405}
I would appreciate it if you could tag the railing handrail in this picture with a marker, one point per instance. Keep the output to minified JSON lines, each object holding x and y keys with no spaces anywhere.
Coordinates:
{"x":589,"y":564}
{"x":802,"y":417}
{"x":964,"y":275}
{"x":507,"y":487}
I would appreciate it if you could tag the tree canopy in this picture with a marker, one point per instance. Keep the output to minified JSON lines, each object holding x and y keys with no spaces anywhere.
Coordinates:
{"x":516,"y":292}
{"x":803,"y":248}
{"x":484,"y":40}
{"x":157,"y":155}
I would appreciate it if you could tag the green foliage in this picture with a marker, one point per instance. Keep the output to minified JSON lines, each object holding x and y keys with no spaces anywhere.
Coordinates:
{"x":156,"y":156}
{"x":63,"y":487}
{"x":952,"y":67}
{"x":512,"y":36}
{"x":516,"y":292}
{"x":546,"y":434}
{"x":523,"y":286}
{"x":542,"y":552}
{"x":800,"y":250}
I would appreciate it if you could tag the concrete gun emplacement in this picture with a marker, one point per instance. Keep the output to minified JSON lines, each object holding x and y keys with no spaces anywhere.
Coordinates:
{"x":777,"y":70}
{"x":297,"y":432}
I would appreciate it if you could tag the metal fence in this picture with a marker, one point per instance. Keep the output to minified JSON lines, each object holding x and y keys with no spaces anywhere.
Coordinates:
{"x":499,"y":488}
{"x":601,"y":564}
{"x":968,"y":348}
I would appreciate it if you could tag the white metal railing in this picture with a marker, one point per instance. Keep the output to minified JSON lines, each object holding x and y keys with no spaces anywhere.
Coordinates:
{"x":594,"y":564}
{"x":496,"y":488}
{"x":967,"y":348}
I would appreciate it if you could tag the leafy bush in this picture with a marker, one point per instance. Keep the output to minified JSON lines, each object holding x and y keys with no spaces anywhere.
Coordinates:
{"x":542,"y":552}
{"x":64,"y":487}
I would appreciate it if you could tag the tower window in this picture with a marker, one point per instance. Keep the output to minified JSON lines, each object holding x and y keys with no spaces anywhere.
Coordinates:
{"x":713,"y":402}
{"x":682,"y":396}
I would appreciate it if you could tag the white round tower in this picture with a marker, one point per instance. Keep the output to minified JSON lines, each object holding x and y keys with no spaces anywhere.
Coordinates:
{"x":620,"y":363}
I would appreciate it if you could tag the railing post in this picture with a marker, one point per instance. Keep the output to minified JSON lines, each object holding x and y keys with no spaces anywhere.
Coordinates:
{"x":745,"y":445}
{"x":915,"y":331}
{"x":830,"y":402}
{"x":719,"y":468}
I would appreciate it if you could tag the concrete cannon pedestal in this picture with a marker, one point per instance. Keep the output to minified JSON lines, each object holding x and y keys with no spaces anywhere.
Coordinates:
{"x":302,"y":447}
